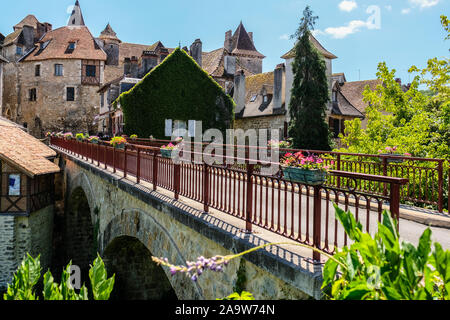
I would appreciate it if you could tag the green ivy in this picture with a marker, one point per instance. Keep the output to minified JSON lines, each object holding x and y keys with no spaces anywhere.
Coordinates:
{"x":177,"y":89}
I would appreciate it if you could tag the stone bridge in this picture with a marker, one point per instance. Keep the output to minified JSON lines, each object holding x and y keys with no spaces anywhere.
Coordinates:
{"x":127,"y":223}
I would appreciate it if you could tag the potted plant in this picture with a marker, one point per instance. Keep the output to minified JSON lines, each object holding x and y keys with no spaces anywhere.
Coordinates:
{"x":310,"y":170}
{"x":80,"y":137}
{"x":167,"y":151}
{"x":94,"y":139}
{"x":118,"y":142}
{"x":392,"y":151}
{"x":133,"y":137}
{"x":279,"y":144}
{"x":68,"y":136}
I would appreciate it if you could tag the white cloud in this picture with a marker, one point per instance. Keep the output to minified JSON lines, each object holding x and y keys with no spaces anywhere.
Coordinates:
{"x":406,"y":11}
{"x":284,"y":37}
{"x":388,"y":8}
{"x":341,"y":32}
{"x":348,"y":5}
{"x":424,"y":3}
{"x":317,"y":32}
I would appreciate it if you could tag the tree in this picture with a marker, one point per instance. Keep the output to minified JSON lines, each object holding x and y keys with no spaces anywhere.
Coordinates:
{"x":310,"y":91}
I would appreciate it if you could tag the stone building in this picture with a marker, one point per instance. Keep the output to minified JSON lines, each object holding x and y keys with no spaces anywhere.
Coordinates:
{"x":26,"y":199}
{"x":52,"y":78}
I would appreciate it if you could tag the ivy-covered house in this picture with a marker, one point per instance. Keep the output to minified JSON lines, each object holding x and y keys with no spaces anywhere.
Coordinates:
{"x":178,"y":93}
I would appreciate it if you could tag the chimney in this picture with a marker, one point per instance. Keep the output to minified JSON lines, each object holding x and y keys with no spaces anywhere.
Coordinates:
{"x":196,"y":51}
{"x":228,"y":41}
{"x":250,"y":34}
{"x":134,"y":67}
{"x":127,"y":66}
{"x":239,"y":91}
{"x":230,"y":65}
{"x":279,"y":86}
{"x":28,"y":36}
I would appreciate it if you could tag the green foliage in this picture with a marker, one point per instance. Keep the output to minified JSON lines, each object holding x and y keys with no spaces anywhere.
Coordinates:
{"x":382,"y":268}
{"x":177,"y":89}
{"x":241,"y":280}
{"x":26,"y":277}
{"x":236,"y":296}
{"x":310,"y":92}
{"x":29,"y":273}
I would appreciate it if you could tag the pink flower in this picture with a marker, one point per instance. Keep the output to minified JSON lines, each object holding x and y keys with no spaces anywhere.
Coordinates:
{"x":408,"y":154}
{"x":287,"y":155}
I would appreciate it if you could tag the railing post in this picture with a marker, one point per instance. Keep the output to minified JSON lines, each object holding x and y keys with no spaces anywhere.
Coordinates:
{"x":338,"y":164}
{"x":249,"y":205}
{"x":138,"y":166}
{"x":105,"y":158}
{"x":176,"y":180}
{"x":125,"y":161}
{"x":98,"y":155}
{"x":155,"y":170}
{"x":385,"y":164}
{"x":394,"y":203}
{"x":205,"y":187}
{"x":441,"y":186}
{"x":114,"y":160}
{"x":317,"y":221}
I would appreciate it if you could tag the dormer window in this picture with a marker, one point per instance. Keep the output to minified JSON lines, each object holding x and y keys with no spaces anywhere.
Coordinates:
{"x":265,"y":99}
{"x":72,"y":46}
{"x":334,"y":96}
{"x":19,"y":50}
{"x":253,"y":99}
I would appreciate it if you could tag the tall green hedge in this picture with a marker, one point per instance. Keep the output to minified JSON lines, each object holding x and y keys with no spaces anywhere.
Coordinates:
{"x":177,"y":89}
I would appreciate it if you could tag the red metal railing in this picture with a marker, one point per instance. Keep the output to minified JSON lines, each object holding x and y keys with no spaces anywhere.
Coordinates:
{"x":426,"y":181}
{"x":299,"y":212}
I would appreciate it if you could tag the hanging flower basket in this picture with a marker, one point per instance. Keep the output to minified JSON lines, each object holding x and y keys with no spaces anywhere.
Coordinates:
{"x":305,"y":176}
{"x":118,"y":142}
{"x":309,"y":170}
{"x":168,"y":151}
{"x":94,"y":139}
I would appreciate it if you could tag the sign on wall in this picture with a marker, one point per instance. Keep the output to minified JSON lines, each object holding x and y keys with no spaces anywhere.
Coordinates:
{"x":14,"y":185}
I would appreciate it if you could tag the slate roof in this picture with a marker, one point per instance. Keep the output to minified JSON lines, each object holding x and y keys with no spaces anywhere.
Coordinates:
{"x":76,"y":19}
{"x":242,"y":44}
{"x":212,"y":62}
{"x":353,"y":92}
{"x":25,"y":152}
{"x":57,"y":41}
{"x":108,"y":34}
{"x":317,"y":45}
{"x":344,"y":108}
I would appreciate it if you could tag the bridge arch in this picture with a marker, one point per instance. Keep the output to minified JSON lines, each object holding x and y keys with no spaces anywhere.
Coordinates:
{"x":135,"y":229}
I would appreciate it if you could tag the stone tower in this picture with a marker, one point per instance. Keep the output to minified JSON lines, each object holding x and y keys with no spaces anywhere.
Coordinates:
{"x":76,"y":19}
{"x":111,"y":45}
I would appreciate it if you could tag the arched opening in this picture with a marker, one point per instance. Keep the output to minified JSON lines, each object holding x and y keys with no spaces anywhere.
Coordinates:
{"x":137,"y":276}
{"x":78,"y":235}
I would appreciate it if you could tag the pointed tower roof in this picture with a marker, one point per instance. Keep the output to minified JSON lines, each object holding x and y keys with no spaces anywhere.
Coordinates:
{"x":242,"y":43}
{"x":76,"y":19}
{"x":109,"y":34}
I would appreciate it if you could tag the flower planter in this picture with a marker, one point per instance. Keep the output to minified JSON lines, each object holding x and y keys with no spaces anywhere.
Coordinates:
{"x":120,"y":146}
{"x":392,"y":160}
{"x":308,"y":177}
{"x":165,"y":153}
{"x":94,"y":141}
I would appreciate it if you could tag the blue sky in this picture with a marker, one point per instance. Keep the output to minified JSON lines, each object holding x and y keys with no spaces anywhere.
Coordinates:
{"x":361,"y":33}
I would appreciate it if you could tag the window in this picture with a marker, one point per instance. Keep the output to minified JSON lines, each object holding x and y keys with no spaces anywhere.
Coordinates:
{"x":70,"y":94}
{"x":253,"y":99}
{"x":163,"y":57}
{"x":32,"y":94}
{"x":37,"y":70}
{"x":266,"y":98}
{"x":19,"y":50}
{"x":59,"y":70}
{"x":90,"y":71}
{"x":72,"y":46}
{"x":102,"y":100}
{"x":334,"y":96}
{"x":14,"y":185}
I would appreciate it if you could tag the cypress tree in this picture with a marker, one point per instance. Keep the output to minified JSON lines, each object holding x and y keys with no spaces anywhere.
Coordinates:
{"x":310,"y":91}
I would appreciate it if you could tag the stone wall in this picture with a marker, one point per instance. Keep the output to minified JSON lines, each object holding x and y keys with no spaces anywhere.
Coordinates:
{"x":51,"y":111}
{"x":22,"y":235}
{"x":269,"y":122}
{"x":166,"y":231}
